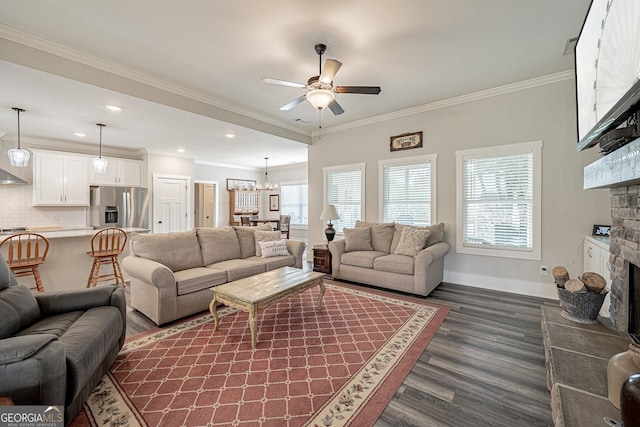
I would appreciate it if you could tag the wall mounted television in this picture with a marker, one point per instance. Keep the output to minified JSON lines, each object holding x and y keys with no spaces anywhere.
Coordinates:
{"x":607,"y":66}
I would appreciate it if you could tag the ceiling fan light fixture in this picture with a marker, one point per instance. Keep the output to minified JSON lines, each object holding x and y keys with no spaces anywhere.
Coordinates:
{"x":17,"y":156}
{"x":100,"y":163}
{"x":320,"y":98}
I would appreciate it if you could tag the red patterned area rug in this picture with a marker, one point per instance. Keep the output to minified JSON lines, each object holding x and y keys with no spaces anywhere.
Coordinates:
{"x":335,"y":366}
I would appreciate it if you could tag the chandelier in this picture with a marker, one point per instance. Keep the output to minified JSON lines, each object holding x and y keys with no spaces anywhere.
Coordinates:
{"x":265,"y":185}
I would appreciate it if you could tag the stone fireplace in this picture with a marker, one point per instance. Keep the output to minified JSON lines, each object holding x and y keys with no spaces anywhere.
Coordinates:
{"x":625,"y":257}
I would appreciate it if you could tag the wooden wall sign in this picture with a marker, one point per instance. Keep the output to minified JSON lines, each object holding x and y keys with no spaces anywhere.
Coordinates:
{"x":406,"y":141}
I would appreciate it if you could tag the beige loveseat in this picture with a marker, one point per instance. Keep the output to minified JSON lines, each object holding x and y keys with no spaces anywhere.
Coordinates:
{"x":370,"y":254}
{"x":171,"y":273}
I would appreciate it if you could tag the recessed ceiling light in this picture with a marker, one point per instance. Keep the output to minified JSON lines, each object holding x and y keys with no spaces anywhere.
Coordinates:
{"x":80,"y":134}
{"x":180,"y":150}
{"x":113,"y":107}
{"x":230,"y":135}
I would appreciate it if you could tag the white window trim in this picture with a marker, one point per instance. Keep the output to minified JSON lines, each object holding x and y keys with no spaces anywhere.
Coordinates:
{"x":534,"y":147}
{"x":427,"y":158}
{"x":345,"y":168}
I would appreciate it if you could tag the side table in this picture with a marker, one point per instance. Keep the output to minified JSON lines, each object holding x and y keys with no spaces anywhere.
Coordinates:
{"x":322,"y":259}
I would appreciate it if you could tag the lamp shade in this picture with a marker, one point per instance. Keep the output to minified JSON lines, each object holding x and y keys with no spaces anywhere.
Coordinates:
{"x":320,"y":98}
{"x":18,"y":157}
{"x":100,"y":164}
{"x":329,"y":212}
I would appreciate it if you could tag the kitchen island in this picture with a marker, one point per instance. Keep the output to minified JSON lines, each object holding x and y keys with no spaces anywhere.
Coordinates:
{"x":68,"y":265}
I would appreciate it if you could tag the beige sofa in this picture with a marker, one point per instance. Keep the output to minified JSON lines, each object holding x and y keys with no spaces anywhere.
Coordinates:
{"x":171,"y":273}
{"x":370,"y":254}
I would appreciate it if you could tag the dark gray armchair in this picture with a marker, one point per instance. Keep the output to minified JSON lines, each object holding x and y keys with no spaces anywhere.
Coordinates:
{"x":56,"y":346}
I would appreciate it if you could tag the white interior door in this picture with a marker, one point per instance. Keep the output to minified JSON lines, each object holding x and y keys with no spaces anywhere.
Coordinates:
{"x":209,"y":203}
{"x":170,"y":203}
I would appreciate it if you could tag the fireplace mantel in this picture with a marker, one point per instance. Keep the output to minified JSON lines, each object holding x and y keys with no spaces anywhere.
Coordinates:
{"x":616,"y":169}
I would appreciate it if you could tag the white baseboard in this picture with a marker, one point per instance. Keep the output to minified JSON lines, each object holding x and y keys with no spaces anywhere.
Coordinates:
{"x":514,"y":286}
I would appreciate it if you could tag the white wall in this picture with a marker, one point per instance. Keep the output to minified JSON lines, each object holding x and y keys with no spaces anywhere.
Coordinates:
{"x":544,"y":113}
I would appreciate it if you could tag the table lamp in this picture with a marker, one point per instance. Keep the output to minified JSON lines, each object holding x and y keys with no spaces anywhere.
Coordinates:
{"x":328,"y":213}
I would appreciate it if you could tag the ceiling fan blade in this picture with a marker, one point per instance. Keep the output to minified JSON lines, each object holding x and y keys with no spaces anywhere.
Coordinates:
{"x":331,"y":67}
{"x":335,"y":108}
{"x":367,"y":90}
{"x":282,"y":82}
{"x":293,"y":103}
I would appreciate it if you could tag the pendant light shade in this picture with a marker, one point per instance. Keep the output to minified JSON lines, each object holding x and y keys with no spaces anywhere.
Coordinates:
{"x":100,"y":163}
{"x":266,"y":186}
{"x":18,"y":156}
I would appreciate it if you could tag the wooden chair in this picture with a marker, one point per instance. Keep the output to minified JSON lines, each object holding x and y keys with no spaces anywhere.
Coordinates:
{"x":285,"y":221}
{"x":25,"y":252}
{"x":106,"y":245}
{"x":245,"y":221}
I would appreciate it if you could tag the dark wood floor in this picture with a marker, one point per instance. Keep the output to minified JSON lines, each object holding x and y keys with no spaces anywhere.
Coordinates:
{"x":484,"y":367}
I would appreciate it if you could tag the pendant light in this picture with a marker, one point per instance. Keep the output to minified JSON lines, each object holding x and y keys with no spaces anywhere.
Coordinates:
{"x":18,"y":156}
{"x":266,"y":186}
{"x":100,"y":163}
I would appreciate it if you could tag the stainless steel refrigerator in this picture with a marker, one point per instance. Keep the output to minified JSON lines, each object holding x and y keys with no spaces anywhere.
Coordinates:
{"x":123,"y":207}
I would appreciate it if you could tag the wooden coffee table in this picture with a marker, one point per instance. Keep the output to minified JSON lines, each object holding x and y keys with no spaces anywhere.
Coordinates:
{"x":263,"y":290}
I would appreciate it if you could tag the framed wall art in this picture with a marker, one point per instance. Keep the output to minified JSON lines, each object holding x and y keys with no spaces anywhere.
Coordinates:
{"x":406,"y":141}
{"x":241,"y":184}
{"x":601,"y":230}
{"x":274,"y":202}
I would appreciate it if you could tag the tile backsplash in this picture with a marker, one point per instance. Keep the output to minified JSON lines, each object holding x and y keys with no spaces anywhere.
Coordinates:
{"x":16,"y":210}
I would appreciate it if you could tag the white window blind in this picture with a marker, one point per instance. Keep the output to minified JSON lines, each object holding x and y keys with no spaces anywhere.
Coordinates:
{"x":295,"y":202}
{"x":498,"y":202}
{"x":344,"y":189}
{"x":407,"y":193}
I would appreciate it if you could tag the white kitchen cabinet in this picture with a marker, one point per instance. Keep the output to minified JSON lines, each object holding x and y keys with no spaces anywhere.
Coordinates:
{"x":120,"y":172}
{"x":596,"y":260}
{"x":60,"y":179}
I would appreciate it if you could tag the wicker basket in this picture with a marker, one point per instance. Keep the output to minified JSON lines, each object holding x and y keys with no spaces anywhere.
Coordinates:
{"x":581,"y":307}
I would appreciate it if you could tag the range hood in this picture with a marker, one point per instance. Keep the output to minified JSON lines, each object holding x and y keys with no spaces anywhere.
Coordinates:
{"x":8,"y":178}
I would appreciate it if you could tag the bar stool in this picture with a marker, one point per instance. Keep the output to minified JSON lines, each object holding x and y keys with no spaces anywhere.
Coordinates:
{"x":25,"y":252}
{"x":245,"y":221}
{"x":285,"y":222}
{"x":106,"y":245}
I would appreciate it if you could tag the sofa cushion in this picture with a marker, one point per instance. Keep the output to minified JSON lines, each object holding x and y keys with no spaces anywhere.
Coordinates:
{"x":381,"y":234}
{"x":218,"y":244}
{"x":18,"y":309}
{"x":239,"y":268}
{"x":265,"y":236}
{"x":247,"y":240}
{"x":195,"y":279}
{"x":357,"y":239}
{"x":412,"y":241}
{"x":86,"y":343}
{"x":178,"y":251}
{"x":401,"y":264}
{"x":52,"y":325}
{"x":437,"y":234}
{"x":273,"y":248}
{"x":6,"y":277}
{"x":272,"y":263}
{"x":360,"y":258}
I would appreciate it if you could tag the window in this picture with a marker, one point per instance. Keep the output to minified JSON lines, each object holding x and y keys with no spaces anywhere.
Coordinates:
{"x":344,"y":188}
{"x":407,"y":187}
{"x":294,"y":201}
{"x":498,"y":192}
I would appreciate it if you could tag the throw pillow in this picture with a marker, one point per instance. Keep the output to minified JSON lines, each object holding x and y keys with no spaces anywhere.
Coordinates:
{"x":357,"y":239}
{"x":265,"y":236}
{"x":274,"y":248}
{"x":412,"y":241}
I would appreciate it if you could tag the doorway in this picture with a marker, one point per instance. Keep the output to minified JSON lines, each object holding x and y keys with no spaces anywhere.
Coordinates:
{"x":206,"y":206}
{"x":170,"y":203}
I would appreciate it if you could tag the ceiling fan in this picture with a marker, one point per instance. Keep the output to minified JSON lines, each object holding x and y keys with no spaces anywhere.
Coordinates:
{"x":322,"y":92}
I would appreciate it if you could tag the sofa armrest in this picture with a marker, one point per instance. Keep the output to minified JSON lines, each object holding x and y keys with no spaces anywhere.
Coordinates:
{"x":150,"y":272}
{"x":33,"y":370}
{"x":296,"y":248}
{"x":337,"y":248}
{"x":429,"y":268}
{"x":433,"y":252}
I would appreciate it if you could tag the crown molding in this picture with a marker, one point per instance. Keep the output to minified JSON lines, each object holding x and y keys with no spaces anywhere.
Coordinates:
{"x":75,"y":147}
{"x":75,"y":55}
{"x":475,"y":96}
